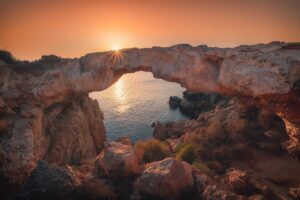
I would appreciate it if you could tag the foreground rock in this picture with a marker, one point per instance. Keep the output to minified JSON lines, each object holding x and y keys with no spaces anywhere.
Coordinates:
{"x":117,"y":160}
{"x":166,"y":179}
{"x":48,"y":182}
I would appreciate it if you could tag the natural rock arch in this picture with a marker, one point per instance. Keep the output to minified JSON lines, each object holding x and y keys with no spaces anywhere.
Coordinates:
{"x":266,"y":75}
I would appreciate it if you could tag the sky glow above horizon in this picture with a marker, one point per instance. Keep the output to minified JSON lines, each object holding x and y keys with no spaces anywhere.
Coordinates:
{"x":31,"y":28}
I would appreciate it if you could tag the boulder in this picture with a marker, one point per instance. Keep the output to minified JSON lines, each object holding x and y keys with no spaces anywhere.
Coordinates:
{"x":174,"y":102}
{"x":48,"y":181}
{"x":117,"y":160}
{"x":166,"y":179}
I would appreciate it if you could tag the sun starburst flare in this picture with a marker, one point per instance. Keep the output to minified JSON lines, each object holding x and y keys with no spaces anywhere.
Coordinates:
{"x":117,"y":56}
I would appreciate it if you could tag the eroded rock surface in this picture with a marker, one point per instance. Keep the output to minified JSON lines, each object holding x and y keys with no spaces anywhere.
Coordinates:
{"x":77,"y":133}
{"x":166,"y":179}
{"x":61,"y":133}
{"x":265,"y":74}
{"x":117,"y":160}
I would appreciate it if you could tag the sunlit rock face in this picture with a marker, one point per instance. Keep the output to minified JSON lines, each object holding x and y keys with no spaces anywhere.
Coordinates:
{"x":118,"y":160}
{"x":77,"y":133}
{"x":266,"y":75}
{"x":165,"y":179}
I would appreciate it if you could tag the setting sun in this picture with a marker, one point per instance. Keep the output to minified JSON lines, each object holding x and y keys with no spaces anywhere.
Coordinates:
{"x":116,"y":48}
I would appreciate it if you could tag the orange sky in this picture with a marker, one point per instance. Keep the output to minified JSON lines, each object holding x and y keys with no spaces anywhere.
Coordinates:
{"x":71,"y":28}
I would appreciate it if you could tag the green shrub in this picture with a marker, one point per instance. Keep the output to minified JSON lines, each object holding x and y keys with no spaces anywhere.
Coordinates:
{"x":203,"y":168}
{"x":152,"y":150}
{"x":186,"y":153}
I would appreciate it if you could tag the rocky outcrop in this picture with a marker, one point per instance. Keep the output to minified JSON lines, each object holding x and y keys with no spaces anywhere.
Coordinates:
{"x":265,"y":74}
{"x":76,"y":134}
{"x":204,"y":101}
{"x":195,"y":103}
{"x":242,"y":151}
{"x":63,"y":133}
{"x":117,"y":160}
{"x":166,"y":179}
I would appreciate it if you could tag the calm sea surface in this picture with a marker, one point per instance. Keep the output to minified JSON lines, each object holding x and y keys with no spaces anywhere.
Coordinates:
{"x":134,"y":102}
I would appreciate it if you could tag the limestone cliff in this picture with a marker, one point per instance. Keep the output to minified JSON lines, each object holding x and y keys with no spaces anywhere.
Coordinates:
{"x":63,"y":133}
{"x":45,"y":111}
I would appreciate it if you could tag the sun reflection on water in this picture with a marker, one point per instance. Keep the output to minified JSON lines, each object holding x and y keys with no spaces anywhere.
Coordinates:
{"x":121,"y":95}
{"x":134,"y":102}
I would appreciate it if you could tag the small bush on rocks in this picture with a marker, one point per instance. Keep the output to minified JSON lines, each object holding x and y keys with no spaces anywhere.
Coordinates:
{"x":186,"y":152}
{"x":152,"y":150}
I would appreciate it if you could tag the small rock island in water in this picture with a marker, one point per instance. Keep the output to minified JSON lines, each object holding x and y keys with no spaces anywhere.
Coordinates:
{"x":241,"y":140}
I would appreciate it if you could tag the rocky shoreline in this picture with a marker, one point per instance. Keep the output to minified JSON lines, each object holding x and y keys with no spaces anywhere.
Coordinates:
{"x":192,"y":104}
{"x":242,"y":141}
{"x":238,"y":148}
